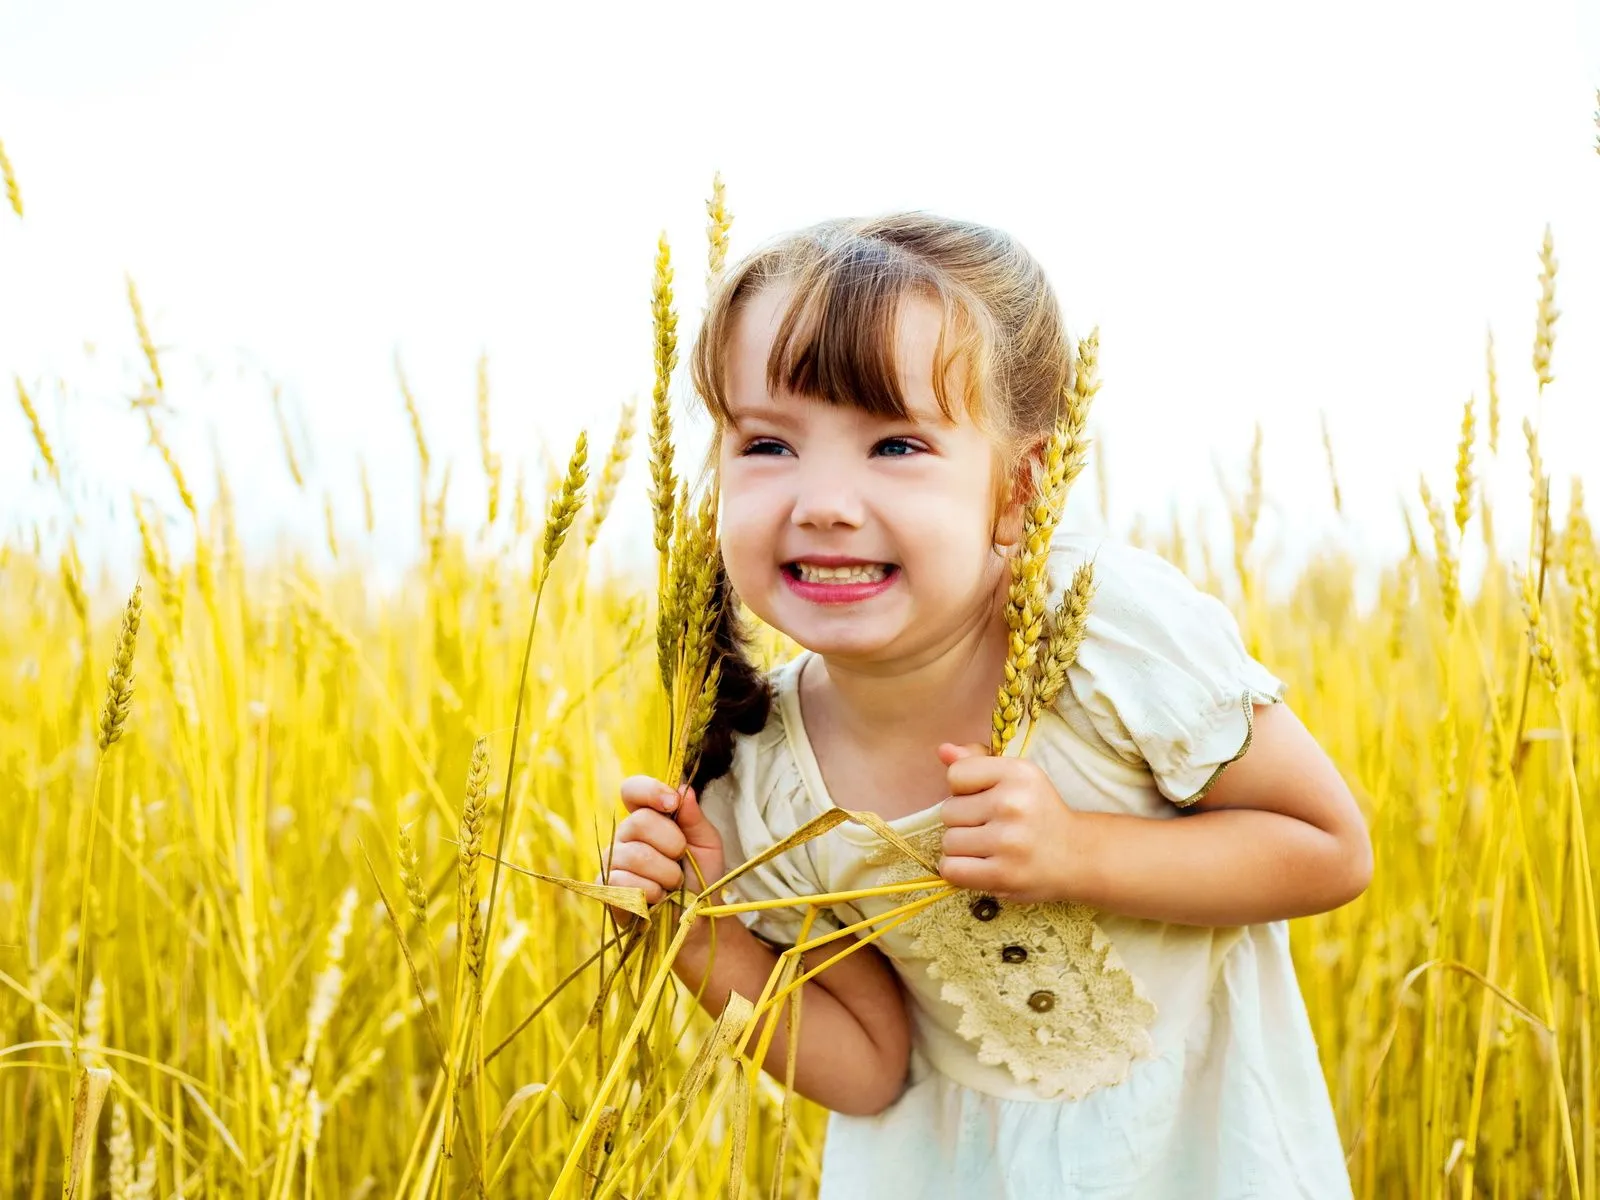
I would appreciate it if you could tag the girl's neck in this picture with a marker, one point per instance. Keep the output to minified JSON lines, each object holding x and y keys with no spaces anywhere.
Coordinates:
{"x":944,"y":694}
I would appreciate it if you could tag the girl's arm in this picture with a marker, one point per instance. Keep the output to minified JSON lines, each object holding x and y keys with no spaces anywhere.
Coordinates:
{"x":855,"y":1040}
{"x":1278,"y":835}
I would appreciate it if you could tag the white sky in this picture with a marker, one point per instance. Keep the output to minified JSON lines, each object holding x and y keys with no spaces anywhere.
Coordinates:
{"x":1268,"y":209}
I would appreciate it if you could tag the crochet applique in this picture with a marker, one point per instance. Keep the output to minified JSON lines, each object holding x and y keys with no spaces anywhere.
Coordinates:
{"x":1041,"y":989}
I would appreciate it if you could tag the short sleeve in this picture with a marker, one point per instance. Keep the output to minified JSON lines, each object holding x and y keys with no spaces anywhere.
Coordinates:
{"x":1162,"y":674}
{"x":761,"y":800}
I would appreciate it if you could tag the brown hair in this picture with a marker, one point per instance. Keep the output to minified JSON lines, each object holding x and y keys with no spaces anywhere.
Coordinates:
{"x":836,"y":342}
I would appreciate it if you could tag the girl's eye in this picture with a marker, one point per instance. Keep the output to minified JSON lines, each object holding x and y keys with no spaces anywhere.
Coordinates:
{"x":897,"y":447}
{"x":763,"y":446}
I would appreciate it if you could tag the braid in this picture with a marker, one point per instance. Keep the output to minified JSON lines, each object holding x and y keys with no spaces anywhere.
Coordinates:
{"x":744,"y":698}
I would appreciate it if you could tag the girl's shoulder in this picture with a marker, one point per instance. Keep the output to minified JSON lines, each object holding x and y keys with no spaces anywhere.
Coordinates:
{"x":1162,"y":675}
{"x":762,"y":799}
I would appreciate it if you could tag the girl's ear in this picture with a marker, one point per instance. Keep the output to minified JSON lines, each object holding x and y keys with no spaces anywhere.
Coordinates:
{"x":1021,"y":484}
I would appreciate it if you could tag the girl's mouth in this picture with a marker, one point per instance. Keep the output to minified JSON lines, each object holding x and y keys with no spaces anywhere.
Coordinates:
{"x":841,"y":584}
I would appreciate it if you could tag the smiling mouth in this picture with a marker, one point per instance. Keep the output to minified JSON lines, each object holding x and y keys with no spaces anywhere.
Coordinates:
{"x":854,"y":573}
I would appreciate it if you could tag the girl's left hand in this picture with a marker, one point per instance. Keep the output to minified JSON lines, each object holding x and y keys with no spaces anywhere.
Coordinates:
{"x":1007,"y":831}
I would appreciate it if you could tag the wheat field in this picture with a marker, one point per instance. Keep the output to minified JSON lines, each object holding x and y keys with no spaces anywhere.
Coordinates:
{"x":291,"y":889}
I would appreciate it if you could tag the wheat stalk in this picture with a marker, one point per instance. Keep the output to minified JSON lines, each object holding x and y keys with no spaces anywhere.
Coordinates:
{"x":1494,"y":395}
{"x":1539,"y":644}
{"x":564,"y":507}
{"x":1544,"y":334}
{"x":1064,"y":635}
{"x":13,"y":192}
{"x":1448,"y":567}
{"x":1464,"y":480}
{"x":1333,"y":471}
{"x":119,"y":679}
{"x":1586,"y":627}
{"x":1025,"y":600}
{"x":287,"y":439}
{"x":491,"y":461}
{"x":146,"y":343}
{"x":46,"y":451}
{"x":1577,"y":537}
{"x":721,"y":220}
{"x":605,"y":491}
{"x":411,"y":875}
{"x":120,"y":1178}
{"x":174,"y":468}
{"x":473,"y":812}
{"x":1538,"y":492}
{"x":1027,"y":620}
{"x":113,"y":717}
{"x":368,"y":515}
{"x":662,"y":482}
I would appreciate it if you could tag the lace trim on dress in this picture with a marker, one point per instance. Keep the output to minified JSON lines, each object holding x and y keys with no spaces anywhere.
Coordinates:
{"x":1041,"y":989}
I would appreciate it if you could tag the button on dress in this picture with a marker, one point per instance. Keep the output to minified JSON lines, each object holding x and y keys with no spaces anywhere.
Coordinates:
{"x":1059,"y":1051}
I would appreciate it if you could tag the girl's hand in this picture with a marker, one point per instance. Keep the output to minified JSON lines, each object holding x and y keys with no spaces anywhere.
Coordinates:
{"x":1007,"y":830}
{"x":650,"y":844}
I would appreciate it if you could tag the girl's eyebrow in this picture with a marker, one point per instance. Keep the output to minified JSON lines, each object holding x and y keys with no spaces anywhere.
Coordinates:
{"x":777,"y":416}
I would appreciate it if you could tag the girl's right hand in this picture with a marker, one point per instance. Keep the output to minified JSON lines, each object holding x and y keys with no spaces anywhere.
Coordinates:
{"x":649,"y":849}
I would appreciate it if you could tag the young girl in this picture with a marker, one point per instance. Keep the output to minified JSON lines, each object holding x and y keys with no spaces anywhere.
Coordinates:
{"x":1107,"y":1008}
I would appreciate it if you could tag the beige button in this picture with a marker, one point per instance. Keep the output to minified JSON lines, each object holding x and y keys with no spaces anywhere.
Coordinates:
{"x":1042,"y":1001}
{"x":986,"y":908}
{"x":1014,"y":954}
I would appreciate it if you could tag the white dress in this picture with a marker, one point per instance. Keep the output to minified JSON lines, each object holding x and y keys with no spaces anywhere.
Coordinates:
{"x":1059,"y":1052}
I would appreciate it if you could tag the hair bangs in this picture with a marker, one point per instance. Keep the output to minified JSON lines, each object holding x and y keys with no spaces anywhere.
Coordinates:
{"x":838,"y":340}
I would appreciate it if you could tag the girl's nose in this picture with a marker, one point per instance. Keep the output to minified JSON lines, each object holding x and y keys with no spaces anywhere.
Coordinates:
{"x":824,"y":501}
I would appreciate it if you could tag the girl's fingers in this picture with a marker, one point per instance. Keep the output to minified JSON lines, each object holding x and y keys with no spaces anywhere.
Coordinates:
{"x":696,"y":827}
{"x":969,"y":841}
{"x":641,"y":791}
{"x":653,"y":891}
{"x":649,"y":827}
{"x":974,"y":874}
{"x":962,"y":811}
{"x":642,"y":862}
{"x":977,"y":772}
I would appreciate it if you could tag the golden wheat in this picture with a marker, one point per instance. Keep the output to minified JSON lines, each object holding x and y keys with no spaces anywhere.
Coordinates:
{"x":190,"y":935}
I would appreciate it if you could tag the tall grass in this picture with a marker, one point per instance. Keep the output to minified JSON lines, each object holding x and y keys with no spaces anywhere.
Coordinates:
{"x":292,"y":894}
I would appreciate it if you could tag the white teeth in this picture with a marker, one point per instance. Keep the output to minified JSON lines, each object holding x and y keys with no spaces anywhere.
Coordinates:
{"x":866,"y":573}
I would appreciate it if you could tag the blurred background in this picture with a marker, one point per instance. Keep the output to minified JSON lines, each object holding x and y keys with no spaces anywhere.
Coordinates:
{"x":1272,"y":212}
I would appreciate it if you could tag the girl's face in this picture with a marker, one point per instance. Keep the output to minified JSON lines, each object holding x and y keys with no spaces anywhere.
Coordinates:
{"x":864,"y":538}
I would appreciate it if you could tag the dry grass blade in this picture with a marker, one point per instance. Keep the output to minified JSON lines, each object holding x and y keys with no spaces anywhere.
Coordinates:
{"x":730,"y":1025}
{"x":89,"y":1098}
{"x":629,"y":898}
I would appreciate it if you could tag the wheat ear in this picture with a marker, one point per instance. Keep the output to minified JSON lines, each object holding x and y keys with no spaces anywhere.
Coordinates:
{"x":605,"y":491}
{"x":1544,"y":334}
{"x":13,"y":192}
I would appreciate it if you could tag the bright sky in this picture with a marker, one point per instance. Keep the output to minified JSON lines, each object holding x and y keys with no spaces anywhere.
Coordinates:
{"x":1268,"y":209}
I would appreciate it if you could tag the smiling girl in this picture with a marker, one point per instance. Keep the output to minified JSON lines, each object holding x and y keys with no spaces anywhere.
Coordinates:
{"x":1107,"y":1007}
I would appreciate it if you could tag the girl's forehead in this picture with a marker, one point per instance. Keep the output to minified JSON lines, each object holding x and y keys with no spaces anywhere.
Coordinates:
{"x":909,"y":356}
